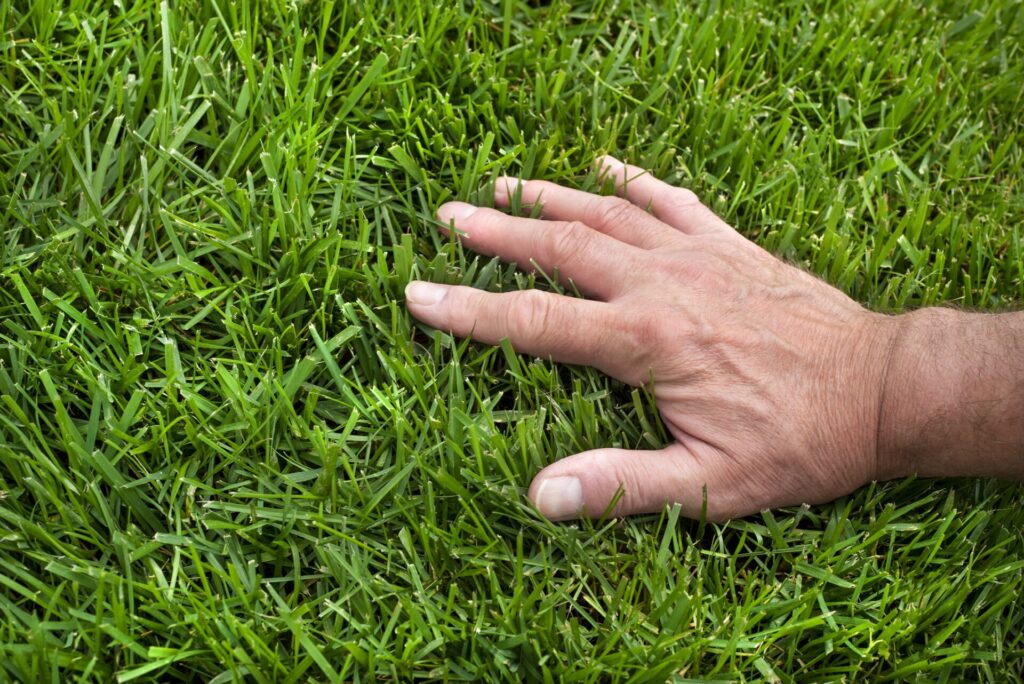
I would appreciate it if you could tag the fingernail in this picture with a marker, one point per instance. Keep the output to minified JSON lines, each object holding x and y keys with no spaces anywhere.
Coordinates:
{"x":559,"y":497}
{"x":455,"y":211}
{"x":422,"y":293}
{"x":609,"y":163}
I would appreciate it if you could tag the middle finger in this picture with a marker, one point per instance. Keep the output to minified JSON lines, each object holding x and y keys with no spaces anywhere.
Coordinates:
{"x":598,"y":264}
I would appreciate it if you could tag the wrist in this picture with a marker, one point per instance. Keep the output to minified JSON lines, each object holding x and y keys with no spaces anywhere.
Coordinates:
{"x":906,"y":378}
{"x":952,"y":402}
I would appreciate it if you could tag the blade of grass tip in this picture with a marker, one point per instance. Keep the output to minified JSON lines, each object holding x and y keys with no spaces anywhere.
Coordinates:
{"x":369,"y":79}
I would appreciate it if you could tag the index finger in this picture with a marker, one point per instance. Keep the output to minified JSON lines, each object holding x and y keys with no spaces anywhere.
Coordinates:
{"x":538,"y":323}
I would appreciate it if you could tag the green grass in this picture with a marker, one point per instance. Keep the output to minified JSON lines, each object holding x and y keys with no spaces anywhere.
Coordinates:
{"x":227,"y":452}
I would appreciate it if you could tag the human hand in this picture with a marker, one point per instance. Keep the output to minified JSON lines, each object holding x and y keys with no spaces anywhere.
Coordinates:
{"x":769,"y":379}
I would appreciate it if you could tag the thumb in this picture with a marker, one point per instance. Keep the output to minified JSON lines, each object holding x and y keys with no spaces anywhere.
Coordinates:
{"x":584,"y":485}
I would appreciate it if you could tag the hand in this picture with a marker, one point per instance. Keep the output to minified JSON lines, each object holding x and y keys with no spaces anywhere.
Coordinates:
{"x":770,"y":380}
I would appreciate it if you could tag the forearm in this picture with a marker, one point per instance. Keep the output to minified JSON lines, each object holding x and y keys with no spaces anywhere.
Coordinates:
{"x":953,"y":403}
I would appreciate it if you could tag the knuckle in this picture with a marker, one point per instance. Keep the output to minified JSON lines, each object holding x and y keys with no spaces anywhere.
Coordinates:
{"x":650,"y":336}
{"x":567,"y":242}
{"x":643,"y":486}
{"x":682,"y":267}
{"x":629,"y":479}
{"x":531,"y":315}
{"x":706,"y":271}
{"x":661,"y":332}
{"x":466,"y":310}
{"x":613,"y":210}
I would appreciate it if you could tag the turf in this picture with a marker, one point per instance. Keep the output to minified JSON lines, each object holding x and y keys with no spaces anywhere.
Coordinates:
{"x":228,"y":454}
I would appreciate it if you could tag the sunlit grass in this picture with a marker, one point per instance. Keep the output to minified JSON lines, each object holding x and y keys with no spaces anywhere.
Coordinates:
{"x":227,"y":452}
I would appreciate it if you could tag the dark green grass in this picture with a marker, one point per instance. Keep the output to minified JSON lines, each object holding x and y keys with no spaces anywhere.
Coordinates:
{"x":227,"y":453}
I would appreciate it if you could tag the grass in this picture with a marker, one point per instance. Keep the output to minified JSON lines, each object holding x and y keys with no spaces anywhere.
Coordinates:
{"x":228,"y":454}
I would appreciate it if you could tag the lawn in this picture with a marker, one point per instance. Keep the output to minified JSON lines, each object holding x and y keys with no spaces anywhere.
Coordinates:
{"x":228,"y":453}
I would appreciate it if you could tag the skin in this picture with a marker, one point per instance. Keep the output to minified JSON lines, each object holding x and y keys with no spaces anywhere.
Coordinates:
{"x":778,"y":388}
